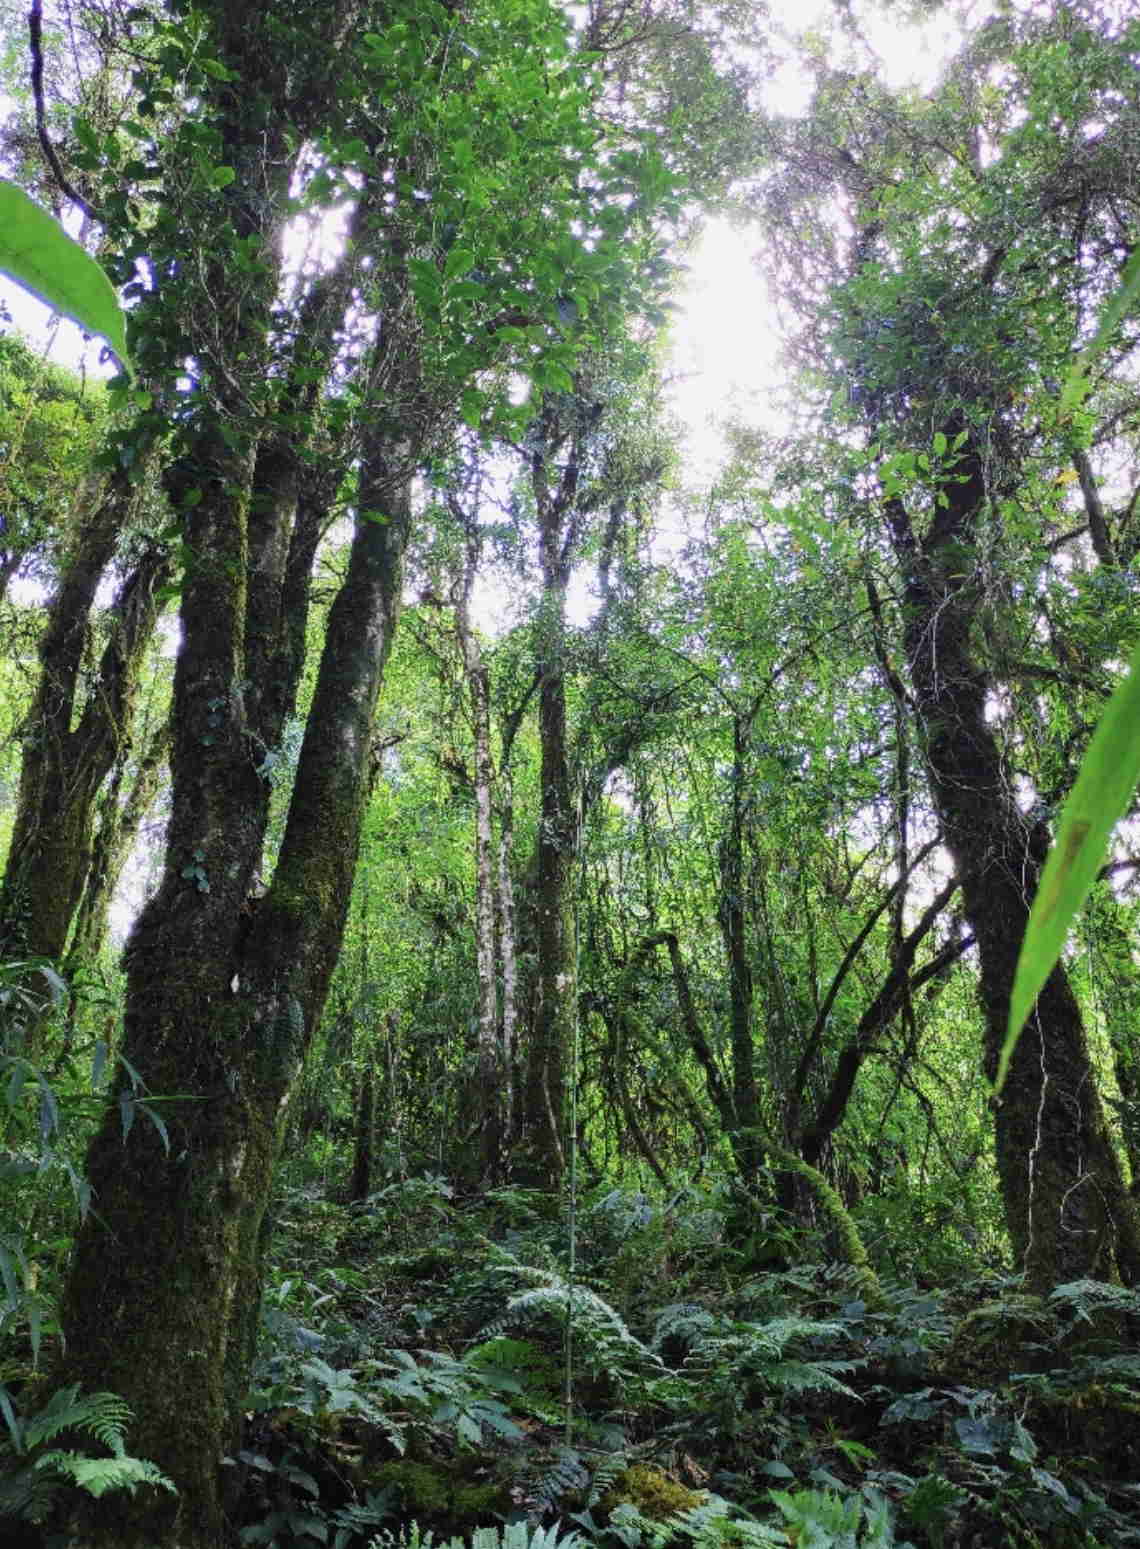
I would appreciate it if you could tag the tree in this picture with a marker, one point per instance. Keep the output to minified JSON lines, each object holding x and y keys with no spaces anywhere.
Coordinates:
{"x":265,"y":393}
{"x":956,"y":306}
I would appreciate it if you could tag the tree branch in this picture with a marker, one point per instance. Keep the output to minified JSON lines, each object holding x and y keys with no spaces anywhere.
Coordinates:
{"x":36,"y":48}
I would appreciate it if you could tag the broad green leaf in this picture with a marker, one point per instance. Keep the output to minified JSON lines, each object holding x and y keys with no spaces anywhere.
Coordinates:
{"x":37,"y":253}
{"x":1104,"y":788}
{"x":459,"y":261}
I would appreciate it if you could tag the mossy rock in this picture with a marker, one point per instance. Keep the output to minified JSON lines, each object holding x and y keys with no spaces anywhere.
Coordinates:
{"x":654,"y":1493}
{"x":1017,"y":1333}
{"x":445,"y":1492}
{"x":1090,"y":1422}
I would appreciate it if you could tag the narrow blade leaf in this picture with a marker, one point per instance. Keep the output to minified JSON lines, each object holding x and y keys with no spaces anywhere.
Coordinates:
{"x":1099,"y":799}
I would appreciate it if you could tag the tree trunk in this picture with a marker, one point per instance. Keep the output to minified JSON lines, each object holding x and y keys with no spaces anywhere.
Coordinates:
{"x":484,"y":1105}
{"x":64,"y":765}
{"x":119,"y":823}
{"x":360,"y":1183}
{"x":175,"y":1239}
{"x":556,"y":1006}
{"x":746,"y":1142}
{"x":1066,"y":1206}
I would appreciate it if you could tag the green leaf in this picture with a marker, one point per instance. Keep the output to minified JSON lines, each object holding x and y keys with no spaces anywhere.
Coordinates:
{"x":37,"y":253}
{"x":1112,"y":314}
{"x":222,"y":177}
{"x":459,"y":260}
{"x":1099,"y":799}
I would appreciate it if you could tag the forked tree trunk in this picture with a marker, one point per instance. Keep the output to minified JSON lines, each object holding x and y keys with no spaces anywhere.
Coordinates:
{"x":220,"y":1016}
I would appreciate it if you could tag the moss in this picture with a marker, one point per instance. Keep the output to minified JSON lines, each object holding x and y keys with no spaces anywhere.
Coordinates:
{"x":851,"y":1246}
{"x":423,"y":1486}
{"x":442,"y":1492}
{"x":1017,"y":1333}
{"x":477,"y":1500}
{"x":654,"y":1493}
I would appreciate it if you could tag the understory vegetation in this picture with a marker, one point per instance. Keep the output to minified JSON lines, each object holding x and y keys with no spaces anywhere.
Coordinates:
{"x":513,"y":901}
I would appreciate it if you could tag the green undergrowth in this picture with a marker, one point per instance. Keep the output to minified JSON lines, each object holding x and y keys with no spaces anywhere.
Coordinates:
{"x":413,"y":1381}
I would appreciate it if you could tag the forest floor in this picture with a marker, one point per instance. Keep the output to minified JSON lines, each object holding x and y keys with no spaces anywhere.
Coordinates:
{"x":431,"y":1366}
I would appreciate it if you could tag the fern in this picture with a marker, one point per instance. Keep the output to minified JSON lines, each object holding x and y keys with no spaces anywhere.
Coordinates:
{"x":28,"y":1489}
{"x":102,"y":1415}
{"x":819,"y":1517}
{"x":604,"y":1475}
{"x":680,"y":1326}
{"x":513,"y":1535}
{"x":713,"y":1524}
{"x":604,"y":1341}
{"x":98,"y":1475}
{"x":547,"y":1485}
{"x":738,"y":1354}
{"x":1083,"y":1299}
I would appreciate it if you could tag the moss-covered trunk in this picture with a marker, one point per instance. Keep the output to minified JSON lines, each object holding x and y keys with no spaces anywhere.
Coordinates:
{"x":543,"y":1098}
{"x":1067,"y":1210}
{"x":218,"y":1011}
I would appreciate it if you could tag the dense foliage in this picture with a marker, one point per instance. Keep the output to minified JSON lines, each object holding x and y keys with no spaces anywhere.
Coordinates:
{"x":505,"y":945}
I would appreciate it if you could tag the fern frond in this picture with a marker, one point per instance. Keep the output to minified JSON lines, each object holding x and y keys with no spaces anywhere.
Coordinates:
{"x":102,"y":1415}
{"x":550,"y":1296}
{"x":98,"y":1475}
{"x":604,"y":1475}
{"x":558,"y":1477}
{"x":513,"y":1535}
{"x":812,"y":1377}
{"x":1086,"y":1297}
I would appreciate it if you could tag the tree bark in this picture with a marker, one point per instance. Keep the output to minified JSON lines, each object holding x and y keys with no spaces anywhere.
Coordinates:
{"x":176,"y":1238}
{"x":746,"y":1119}
{"x":1068,"y":1212}
{"x":486,"y":1101}
{"x":64,"y":764}
{"x":120,"y":819}
{"x":556,"y":1010}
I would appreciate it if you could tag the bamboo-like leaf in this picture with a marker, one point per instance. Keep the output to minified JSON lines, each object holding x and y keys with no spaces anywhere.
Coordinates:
{"x":37,"y":253}
{"x":1104,"y":788}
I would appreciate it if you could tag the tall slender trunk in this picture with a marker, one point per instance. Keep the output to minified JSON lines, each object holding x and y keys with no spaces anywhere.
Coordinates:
{"x":485,"y":1100}
{"x":544,"y":1097}
{"x":747,"y":1144}
{"x":556,"y":1005}
{"x":508,"y":948}
{"x":360,"y":1183}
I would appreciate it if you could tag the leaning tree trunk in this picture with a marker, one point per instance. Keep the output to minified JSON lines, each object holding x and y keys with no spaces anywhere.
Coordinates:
{"x":120,"y":819}
{"x":65,"y":762}
{"x":1068,"y":1212}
